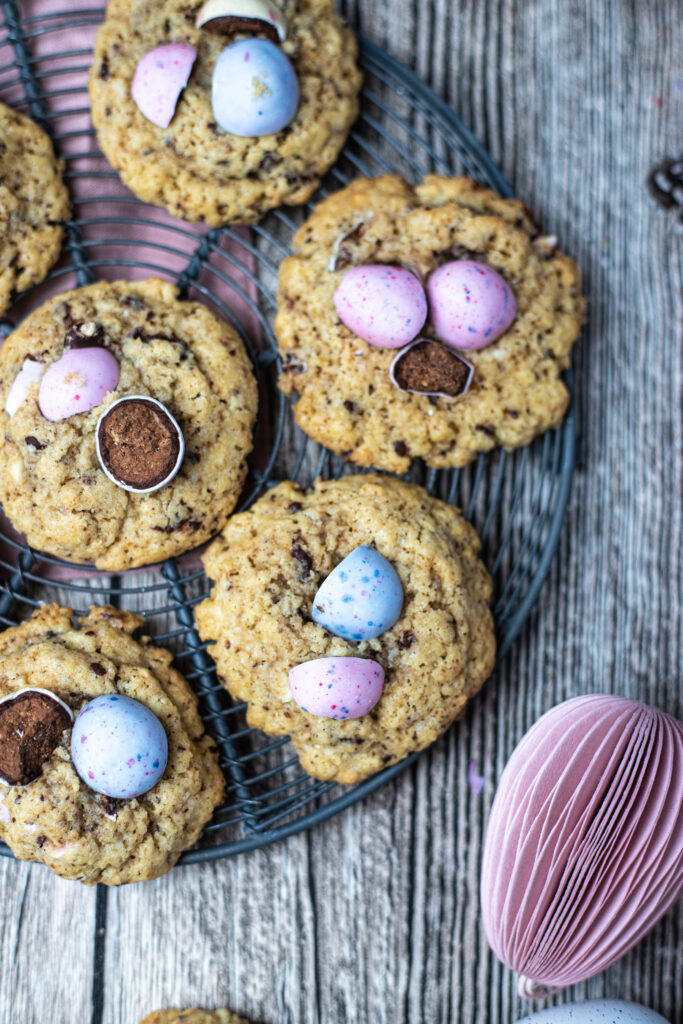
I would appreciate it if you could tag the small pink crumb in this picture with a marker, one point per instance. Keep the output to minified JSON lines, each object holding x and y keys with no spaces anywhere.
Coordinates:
{"x":476,"y":782}
{"x":659,"y":101}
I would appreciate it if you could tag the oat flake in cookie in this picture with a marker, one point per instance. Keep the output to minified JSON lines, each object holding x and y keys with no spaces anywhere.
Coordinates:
{"x":34,"y":202}
{"x":267,"y":568}
{"x":194,"y":168}
{"x":52,"y":486}
{"x":346,"y":397}
{"x":56,"y":818}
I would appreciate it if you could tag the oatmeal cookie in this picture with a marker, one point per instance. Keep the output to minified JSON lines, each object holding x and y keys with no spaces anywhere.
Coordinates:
{"x":346,"y":399}
{"x":57,"y":819}
{"x":267,"y":567}
{"x":193,"y":1017}
{"x":193,"y":168}
{"x":51,"y":484}
{"x":34,"y":203}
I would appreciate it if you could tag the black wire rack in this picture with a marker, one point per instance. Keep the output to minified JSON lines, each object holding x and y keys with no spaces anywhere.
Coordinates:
{"x":516,"y":500}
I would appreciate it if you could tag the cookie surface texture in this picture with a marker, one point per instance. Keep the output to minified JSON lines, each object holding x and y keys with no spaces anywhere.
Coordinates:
{"x":267,"y":567}
{"x":34,"y":202}
{"x":193,"y":168}
{"x":57,"y":819}
{"x":51,"y":484}
{"x":346,"y":399}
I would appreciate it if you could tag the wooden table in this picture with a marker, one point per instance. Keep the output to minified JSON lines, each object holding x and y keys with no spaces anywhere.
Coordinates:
{"x":373,"y":918}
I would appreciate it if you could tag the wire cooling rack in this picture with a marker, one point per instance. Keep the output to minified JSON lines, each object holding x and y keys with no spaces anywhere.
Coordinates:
{"x":516,"y":500}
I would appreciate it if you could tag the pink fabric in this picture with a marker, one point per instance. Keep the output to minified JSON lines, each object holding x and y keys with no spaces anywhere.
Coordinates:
{"x":584,"y":850}
{"x":128,"y":241}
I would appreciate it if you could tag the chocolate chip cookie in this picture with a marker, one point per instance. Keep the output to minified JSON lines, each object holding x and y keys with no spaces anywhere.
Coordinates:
{"x":346,"y":397}
{"x":34,"y":203}
{"x":52,"y":485}
{"x":193,"y":168}
{"x":267,"y":567}
{"x":192,"y":1017}
{"x":54,"y":817}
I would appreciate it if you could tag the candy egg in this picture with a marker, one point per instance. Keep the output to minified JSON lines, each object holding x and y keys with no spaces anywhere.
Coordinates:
{"x":30,"y":373}
{"x":159,"y":79}
{"x":139,"y":444}
{"x":428,"y":367}
{"x":243,"y":16}
{"x":595,"y":1011}
{"x":337,"y":687}
{"x":361,"y":598}
{"x":254,"y":89}
{"x":385,"y":306}
{"x":76,"y":382}
{"x":118,"y":746}
{"x":584,"y":849}
{"x":470,"y":305}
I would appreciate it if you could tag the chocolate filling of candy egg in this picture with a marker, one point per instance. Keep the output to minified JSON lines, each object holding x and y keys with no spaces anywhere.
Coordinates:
{"x":31,"y":726}
{"x":430,"y":367}
{"x":139,"y":443}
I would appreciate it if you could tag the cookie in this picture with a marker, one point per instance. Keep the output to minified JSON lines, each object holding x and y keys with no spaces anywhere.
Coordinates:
{"x":59,"y":820}
{"x":192,"y":1017}
{"x":52,"y":485}
{"x":34,"y":202}
{"x":267,"y":567}
{"x":346,"y":397}
{"x":194,"y":168}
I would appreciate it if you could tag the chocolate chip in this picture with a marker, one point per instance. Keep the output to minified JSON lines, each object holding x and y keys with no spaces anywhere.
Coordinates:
{"x":108,"y":804}
{"x":231,"y":23}
{"x":84,"y":334}
{"x":345,"y":246}
{"x":34,"y":442}
{"x":485,"y":428}
{"x":349,"y":406}
{"x":294,"y":506}
{"x":269,"y":160}
{"x":401,"y":448}
{"x":406,"y":640}
{"x":431,"y":367}
{"x":31,"y":726}
{"x":227,"y":645}
{"x":138,"y":443}
{"x":512,"y":413}
{"x":134,"y":302}
{"x":104,"y":71}
{"x":304,"y":560}
{"x":98,"y":669}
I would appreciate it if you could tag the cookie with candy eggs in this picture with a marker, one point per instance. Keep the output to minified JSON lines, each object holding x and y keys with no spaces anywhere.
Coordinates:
{"x":224,"y":110}
{"x":34,"y":203}
{"x":430,"y":321}
{"x":353,"y":617}
{"x":193,"y":1017}
{"x":106,"y":774}
{"x":125,"y":422}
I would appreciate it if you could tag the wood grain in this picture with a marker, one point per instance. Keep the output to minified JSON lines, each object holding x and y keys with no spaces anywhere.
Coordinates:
{"x":374,"y":916}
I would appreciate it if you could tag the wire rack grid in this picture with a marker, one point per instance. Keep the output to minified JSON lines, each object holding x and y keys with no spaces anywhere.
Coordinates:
{"x":516,"y":500}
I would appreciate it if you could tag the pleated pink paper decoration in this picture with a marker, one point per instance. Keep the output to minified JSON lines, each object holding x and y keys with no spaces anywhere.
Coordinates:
{"x":584,"y":850}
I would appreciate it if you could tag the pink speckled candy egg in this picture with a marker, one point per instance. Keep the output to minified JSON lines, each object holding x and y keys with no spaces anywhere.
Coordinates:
{"x":385,"y":306}
{"x":76,"y":382}
{"x":118,"y":746}
{"x":337,"y":687}
{"x":159,"y":79}
{"x":470,"y":305}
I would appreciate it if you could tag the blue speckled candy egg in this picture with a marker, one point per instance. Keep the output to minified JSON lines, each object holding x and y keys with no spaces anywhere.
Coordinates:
{"x":118,"y":746}
{"x":254,"y":90}
{"x":361,"y":598}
